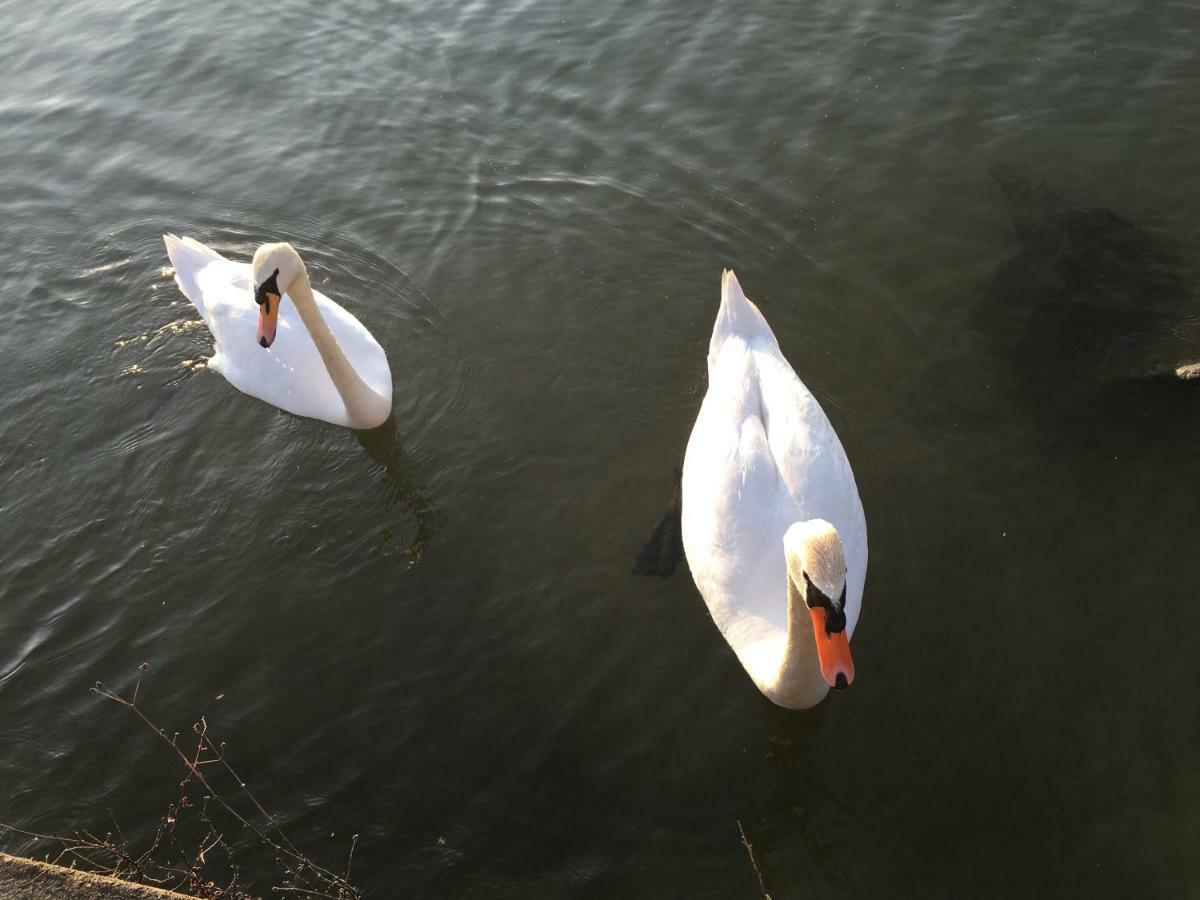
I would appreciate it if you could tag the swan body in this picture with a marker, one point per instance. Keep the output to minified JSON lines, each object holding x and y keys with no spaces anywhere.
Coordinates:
{"x":773,"y":528}
{"x":320,"y":361}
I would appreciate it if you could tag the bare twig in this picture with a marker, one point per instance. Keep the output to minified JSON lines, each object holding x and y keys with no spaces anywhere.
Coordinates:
{"x":183,"y":860}
{"x":331,"y":883}
{"x":753,"y":862}
{"x":350,"y":858}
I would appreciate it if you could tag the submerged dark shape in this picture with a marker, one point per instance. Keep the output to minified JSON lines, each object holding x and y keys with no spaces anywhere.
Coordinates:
{"x":1089,"y":294}
{"x":662,"y":552}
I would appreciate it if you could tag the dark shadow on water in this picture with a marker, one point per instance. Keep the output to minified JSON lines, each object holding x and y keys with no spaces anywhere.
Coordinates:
{"x":1088,"y":292}
{"x":661,"y":553}
{"x":403,"y":492}
{"x":1088,"y":323}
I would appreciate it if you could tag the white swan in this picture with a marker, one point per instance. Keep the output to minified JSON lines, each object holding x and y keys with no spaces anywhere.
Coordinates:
{"x":326,"y":365}
{"x":773,"y":528}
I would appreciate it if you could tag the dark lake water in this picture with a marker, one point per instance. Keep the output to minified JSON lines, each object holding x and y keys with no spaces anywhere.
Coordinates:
{"x":430,"y":636}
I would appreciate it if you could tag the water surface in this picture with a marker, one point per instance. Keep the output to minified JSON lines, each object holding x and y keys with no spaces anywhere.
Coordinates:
{"x":430,"y":637}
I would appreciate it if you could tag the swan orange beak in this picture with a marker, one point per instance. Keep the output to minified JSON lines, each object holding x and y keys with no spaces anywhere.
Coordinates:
{"x":268,"y":319}
{"x":833,"y":652}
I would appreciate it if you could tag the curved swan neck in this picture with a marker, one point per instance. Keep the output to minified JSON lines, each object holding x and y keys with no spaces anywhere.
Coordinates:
{"x":365,"y":406}
{"x":813,"y":548}
{"x":800,"y":684}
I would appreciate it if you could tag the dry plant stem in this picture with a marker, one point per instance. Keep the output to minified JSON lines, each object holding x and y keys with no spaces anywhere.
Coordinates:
{"x":194,"y":764}
{"x":754,"y":863}
{"x":350,"y":858}
{"x":180,"y":862}
{"x":144,"y":869}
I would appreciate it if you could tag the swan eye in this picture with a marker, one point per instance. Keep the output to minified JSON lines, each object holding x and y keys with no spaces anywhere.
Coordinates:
{"x":814,"y":597}
{"x":263,"y":291}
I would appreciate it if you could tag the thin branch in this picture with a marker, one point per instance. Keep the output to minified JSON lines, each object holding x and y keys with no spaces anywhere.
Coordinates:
{"x":33,"y":834}
{"x":753,"y":862}
{"x":207,"y":754}
{"x":190,"y":764}
{"x":172,"y":859}
{"x":350,"y":859}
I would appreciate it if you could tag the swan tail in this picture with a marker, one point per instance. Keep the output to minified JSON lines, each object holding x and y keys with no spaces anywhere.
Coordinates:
{"x":738,"y":316}
{"x":662,"y":552}
{"x":188,"y":257}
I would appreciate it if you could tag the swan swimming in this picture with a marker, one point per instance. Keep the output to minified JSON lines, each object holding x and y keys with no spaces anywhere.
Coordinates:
{"x":772,"y":525}
{"x":325,"y":365}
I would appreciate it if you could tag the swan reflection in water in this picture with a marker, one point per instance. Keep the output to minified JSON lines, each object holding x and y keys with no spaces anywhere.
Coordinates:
{"x":403,"y":492}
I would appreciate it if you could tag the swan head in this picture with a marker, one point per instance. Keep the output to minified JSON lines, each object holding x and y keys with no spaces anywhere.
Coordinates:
{"x":274,"y":268}
{"x":817,"y":572}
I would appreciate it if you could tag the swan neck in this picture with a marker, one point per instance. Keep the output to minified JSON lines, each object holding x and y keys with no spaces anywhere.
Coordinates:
{"x":800,"y":683}
{"x":364,"y":405}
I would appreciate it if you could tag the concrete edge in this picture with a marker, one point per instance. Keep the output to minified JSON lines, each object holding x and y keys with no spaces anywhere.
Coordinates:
{"x":28,"y":879}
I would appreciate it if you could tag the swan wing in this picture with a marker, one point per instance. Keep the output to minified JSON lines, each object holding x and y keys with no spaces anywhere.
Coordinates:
{"x":813,"y":467}
{"x":735,"y":507}
{"x":189,"y":258}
